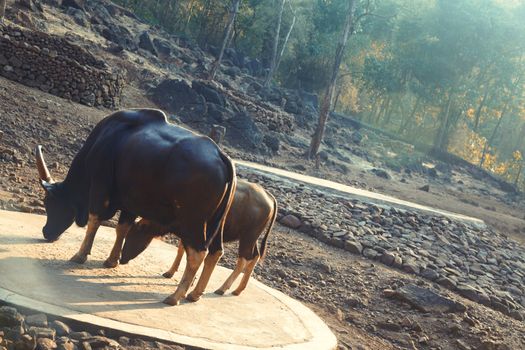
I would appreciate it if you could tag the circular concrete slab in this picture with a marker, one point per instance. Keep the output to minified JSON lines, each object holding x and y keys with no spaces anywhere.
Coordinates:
{"x":38,"y":275}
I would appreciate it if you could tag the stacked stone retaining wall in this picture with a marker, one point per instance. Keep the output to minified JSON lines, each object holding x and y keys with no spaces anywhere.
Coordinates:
{"x":53,"y":64}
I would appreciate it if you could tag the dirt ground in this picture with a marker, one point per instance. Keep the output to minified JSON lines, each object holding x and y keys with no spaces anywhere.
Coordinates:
{"x":345,"y":290}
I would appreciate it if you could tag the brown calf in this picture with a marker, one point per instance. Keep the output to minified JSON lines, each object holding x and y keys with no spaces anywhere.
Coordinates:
{"x":252,"y":210}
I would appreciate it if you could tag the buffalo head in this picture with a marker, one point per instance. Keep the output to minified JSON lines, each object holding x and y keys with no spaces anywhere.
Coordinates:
{"x":59,"y":208}
{"x":138,"y":239}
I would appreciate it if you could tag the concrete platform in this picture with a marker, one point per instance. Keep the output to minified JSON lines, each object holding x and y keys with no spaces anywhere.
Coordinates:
{"x":38,"y":275}
{"x":353,"y":192}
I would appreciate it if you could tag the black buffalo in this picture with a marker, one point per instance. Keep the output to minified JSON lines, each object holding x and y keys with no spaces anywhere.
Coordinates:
{"x":136,"y":162}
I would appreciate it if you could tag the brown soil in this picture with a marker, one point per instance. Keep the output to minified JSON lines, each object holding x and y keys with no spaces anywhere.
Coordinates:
{"x":345,"y":290}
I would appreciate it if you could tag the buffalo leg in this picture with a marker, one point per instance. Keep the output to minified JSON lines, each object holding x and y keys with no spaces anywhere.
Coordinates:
{"x":246,"y":276}
{"x":209,"y":265}
{"x":124,"y":224}
{"x":176,"y":263}
{"x":194,"y":260}
{"x":85,"y":249}
{"x":241,"y":264}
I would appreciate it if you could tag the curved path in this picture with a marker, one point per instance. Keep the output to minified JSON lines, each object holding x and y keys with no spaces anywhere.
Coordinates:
{"x":37,"y":275}
{"x":364,"y":195}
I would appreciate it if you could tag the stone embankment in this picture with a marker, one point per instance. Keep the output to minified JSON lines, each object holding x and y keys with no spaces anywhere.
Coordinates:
{"x":35,"y":331}
{"x":53,"y":64}
{"x":477,"y":263}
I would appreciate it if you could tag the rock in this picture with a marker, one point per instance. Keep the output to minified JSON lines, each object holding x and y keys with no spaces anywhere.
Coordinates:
{"x":102,"y":342}
{"x":78,"y":4}
{"x":175,"y":95}
{"x":447,"y":283}
{"x":387,"y":258}
{"x":210,"y":93}
{"x":272,"y":142}
{"x":61,"y":328}
{"x":26,"y":342}
{"x":37,"y":320}
{"x":217,"y":133}
{"x":389,"y":326}
{"x":472,"y":293}
{"x":243,"y":132}
{"x":381,"y":173}
{"x":425,"y":188}
{"x":356,"y":137}
{"x":79,"y":335}
{"x":411,"y":266}
{"x":146,"y":43}
{"x":353,"y":246}
{"x":461,"y":345}
{"x":162,"y":46}
{"x":429,"y":274}
{"x":9,"y":317}
{"x":291,"y":221}
{"x":79,"y":16}
{"x":370,"y":253}
{"x":426,"y":300}
{"x":41,"y":332}
{"x":68,"y":345}
{"x":45,"y":344}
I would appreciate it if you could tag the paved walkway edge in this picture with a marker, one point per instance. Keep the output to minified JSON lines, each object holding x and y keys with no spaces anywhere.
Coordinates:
{"x":357,"y":193}
{"x":323,"y":338}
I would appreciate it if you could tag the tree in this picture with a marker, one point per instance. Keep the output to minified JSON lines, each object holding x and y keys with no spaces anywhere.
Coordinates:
{"x":233,"y":13}
{"x":2,"y":9}
{"x":326,"y":104}
{"x":275,"y":45}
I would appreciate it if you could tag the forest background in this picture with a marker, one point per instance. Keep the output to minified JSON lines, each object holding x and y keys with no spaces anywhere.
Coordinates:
{"x":443,"y":73}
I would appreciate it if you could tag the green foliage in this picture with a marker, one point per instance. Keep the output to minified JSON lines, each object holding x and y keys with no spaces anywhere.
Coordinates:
{"x":436,"y":70}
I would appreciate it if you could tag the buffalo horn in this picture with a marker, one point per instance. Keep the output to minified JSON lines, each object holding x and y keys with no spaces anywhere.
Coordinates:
{"x":41,"y":165}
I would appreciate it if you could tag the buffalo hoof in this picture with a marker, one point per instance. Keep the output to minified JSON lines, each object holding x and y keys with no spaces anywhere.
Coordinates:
{"x":167,"y":274}
{"x":79,"y":259}
{"x":171,"y":300}
{"x":110,"y":263}
{"x":193,"y":297}
{"x":219,"y":292}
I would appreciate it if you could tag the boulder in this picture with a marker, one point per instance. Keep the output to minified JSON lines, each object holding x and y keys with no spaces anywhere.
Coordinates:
{"x":174,"y":95}
{"x":146,"y":43}
{"x":209,"y":93}
{"x":162,"y":46}
{"x":78,"y":4}
{"x":291,"y":221}
{"x":243,"y":132}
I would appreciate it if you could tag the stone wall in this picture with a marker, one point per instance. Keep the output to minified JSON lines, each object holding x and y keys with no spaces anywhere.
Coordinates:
{"x":52,"y":64}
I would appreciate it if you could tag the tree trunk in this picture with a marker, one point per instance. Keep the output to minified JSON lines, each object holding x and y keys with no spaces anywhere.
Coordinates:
{"x":491,"y":139}
{"x":284,"y":44}
{"x":383,"y":110}
{"x":227,"y":32}
{"x":438,"y":142}
{"x":403,"y":126}
{"x":326,"y":104}
{"x":478,"y":111}
{"x":503,"y":112}
{"x":2,"y":10}
{"x":275,"y":45}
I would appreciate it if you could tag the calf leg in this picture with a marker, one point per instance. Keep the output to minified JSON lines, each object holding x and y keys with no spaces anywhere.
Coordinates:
{"x":175,"y":267}
{"x":246,"y":276}
{"x":124,"y":224}
{"x":194,"y":259}
{"x":85,"y":248}
{"x":209,"y":265}
{"x":241,"y":264}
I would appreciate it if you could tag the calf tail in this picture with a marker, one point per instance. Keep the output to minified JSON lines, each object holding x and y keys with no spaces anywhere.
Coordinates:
{"x":224,"y":207}
{"x":270,"y":226}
